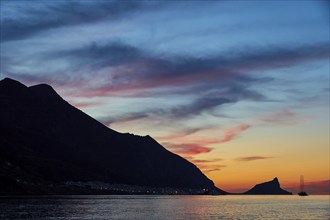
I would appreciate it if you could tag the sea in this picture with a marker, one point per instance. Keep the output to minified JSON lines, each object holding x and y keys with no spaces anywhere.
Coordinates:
{"x":164,"y":207}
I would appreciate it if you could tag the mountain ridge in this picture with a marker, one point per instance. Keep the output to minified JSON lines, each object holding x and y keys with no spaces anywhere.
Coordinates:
{"x":268,"y":188}
{"x":50,"y":141}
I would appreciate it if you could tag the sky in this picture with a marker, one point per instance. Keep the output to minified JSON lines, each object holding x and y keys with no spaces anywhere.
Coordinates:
{"x":239,"y":88}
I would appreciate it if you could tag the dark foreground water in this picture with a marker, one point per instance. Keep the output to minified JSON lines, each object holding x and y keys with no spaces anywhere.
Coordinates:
{"x":165,"y":207}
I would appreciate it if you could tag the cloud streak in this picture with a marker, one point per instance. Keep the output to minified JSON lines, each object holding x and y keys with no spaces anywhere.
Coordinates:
{"x":183,"y":132}
{"x":97,"y":55}
{"x":186,"y":149}
{"x":213,"y":81}
{"x":284,"y":117}
{"x":252,"y":158}
{"x":123,"y":118}
{"x":137,"y":69}
{"x":83,"y":105}
{"x":60,"y":14}
{"x":180,"y":112}
{"x":198,"y":161}
{"x":230,"y":134}
{"x":198,"y":106}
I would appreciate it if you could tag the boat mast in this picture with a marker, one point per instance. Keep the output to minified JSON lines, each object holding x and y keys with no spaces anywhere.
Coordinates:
{"x":301,"y":183}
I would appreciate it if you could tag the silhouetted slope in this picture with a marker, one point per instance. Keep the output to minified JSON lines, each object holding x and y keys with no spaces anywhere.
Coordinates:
{"x":268,"y":188}
{"x":44,"y":139}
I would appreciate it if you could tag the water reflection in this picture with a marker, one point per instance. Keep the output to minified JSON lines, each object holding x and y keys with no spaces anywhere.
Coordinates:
{"x":164,"y":207}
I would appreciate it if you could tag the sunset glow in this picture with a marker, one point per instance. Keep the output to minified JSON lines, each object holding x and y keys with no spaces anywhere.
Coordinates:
{"x":239,"y":88}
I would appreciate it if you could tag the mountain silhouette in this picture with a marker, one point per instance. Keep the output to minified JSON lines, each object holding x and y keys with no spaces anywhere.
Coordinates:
{"x":268,"y":188}
{"x":44,"y":142}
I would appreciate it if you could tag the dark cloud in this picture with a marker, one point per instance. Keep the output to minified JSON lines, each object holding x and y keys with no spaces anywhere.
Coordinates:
{"x":96,"y":55}
{"x":212,"y":169}
{"x":279,"y":57}
{"x":139,"y":70}
{"x":207,"y":161}
{"x":212,"y":81}
{"x":135,"y":71}
{"x":252,"y":158}
{"x":180,"y":112}
{"x":198,"y":106}
{"x":236,"y":60}
{"x":28,"y":18}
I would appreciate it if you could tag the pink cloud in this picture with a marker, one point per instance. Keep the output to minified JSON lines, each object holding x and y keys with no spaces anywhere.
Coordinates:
{"x":285,"y":117}
{"x":230,"y":134}
{"x":186,"y":132}
{"x":198,"y":146}
{"x":187,"y":149}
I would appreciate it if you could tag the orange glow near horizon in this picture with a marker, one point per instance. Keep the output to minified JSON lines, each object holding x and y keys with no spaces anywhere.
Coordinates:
{"x":257,"y":155}
{"x":235,"y":167}
{"x":242,"y":94}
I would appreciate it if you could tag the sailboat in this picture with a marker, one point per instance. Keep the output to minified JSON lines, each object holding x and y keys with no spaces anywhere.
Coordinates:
{"x":302,"y":192}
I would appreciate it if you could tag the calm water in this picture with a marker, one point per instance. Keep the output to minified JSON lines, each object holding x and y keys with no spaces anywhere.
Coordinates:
{"x":165,"y":207}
